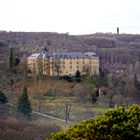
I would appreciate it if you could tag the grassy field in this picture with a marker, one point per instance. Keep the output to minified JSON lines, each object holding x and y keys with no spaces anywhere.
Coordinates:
{"x":78,"y":111}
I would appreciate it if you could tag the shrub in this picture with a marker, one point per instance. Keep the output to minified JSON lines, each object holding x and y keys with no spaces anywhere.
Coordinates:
{"x":3,"y":98}
{"x":14,"y":129}
{"x":115,"y":124}
{"x":49,"y":93}
{"x":78,"y":80}
{"x":68,"y":78}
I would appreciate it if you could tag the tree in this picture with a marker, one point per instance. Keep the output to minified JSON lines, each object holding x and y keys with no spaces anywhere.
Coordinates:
{"x":93,"y":98}
{"x":2,"y":46}
{"x":16,"y":61}
{"x":24,"y":105}
{"x":13,"y":72}
{"x":115,"y":124}
{"x":67,"y":110}
{"x":57,"y":67}
{"x":13,"y":61}
{"x":103,"y":76}
{"x":12,"y":85}
{"x":78,"y":74}
{"x":11,"y":58}
{"x":80,"y":92}
{"x":3,"y":98}
{"x":136,"y":82}
{"x":89,"y":81}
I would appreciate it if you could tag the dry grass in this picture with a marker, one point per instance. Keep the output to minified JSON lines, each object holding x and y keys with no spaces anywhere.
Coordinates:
{"x":24,"y":130}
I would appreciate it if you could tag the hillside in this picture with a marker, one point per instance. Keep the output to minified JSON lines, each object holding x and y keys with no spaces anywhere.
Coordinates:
{"x":116,"y":52}
{"x":117,"y":83}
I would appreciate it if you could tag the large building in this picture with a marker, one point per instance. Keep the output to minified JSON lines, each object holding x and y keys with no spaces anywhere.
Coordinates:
{"x":63,"y":63}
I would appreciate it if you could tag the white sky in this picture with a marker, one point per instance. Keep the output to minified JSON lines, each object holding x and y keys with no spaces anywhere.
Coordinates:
{"x":73,"y":16}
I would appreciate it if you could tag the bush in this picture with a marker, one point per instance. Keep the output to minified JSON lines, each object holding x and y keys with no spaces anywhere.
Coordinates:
{"x":116,"y":124}
{"x":68,"y":78}
{"x":78,"y":80}
{"x":49,"y":93}
{"x":3,"y":98}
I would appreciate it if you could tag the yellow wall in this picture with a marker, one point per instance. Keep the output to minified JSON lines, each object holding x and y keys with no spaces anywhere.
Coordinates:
{"x":64,"y":66}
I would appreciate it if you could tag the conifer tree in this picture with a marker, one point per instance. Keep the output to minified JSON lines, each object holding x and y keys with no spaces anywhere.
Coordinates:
{"x":78,"y":74}
{"x":24,"y":105}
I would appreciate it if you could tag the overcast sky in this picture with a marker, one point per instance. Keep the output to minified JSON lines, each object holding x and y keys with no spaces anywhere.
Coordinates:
{"x":73,"y":16}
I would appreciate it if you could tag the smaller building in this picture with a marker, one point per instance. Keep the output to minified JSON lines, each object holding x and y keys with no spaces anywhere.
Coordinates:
{"x":63,"y":63}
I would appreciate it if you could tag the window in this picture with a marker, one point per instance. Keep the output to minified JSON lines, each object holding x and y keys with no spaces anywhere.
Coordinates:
{"x":70,"y":67}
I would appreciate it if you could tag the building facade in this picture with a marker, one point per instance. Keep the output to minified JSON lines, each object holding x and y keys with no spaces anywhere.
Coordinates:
{"x":63,"y":63}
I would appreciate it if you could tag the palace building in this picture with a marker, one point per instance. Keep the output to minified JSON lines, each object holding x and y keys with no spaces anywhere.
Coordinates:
{"x":63,"y":63}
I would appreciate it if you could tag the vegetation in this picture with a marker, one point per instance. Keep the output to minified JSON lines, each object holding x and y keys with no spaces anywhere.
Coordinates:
{"x":78,"y":74}
{"x":13,"y":61}
{"x":68,"y":78}
{"x":11,"y":58}
{"x":3,"y":98}
{"x":115,"y":52}
{"x":24,"y":105}
{"x":73,"y":98}
{"x":136,"y":82}
{"x":14,"y":129}
{"x":116,"y":124}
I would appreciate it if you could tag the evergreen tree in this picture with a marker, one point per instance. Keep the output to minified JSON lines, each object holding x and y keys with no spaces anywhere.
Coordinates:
{"x":3,"y":98}
{"x":78,"y":74}
{"x":24,"y":105}
{"x":11,"y":58}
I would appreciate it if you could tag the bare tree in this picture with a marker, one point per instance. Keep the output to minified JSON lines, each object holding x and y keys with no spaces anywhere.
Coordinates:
{"x":67,"y":110}
{"x":57,"y":66}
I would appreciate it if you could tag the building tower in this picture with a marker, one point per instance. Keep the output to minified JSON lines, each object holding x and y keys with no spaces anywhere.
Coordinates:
{"x":117,"y":30}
